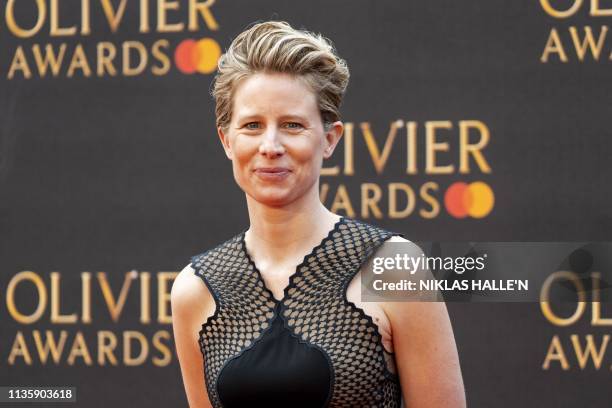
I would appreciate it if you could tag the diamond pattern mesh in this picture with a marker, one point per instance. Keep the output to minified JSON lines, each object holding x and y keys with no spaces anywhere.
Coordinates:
{"x":314,"y":307}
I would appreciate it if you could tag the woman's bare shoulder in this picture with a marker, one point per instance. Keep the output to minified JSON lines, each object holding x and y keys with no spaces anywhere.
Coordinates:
{"x":189,"y":294}
{"x":398,"y":244}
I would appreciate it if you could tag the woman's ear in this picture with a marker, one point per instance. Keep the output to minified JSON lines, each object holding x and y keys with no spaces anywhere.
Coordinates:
{"x":225,"y":142}
{"x":332,"y":137}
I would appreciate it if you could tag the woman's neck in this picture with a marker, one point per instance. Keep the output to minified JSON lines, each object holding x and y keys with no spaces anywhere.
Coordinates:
{"x":282,"y":232}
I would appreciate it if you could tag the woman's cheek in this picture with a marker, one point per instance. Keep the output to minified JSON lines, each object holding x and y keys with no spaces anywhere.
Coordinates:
{"x":305,"y":151}
{"x":238,"y":177}
{"x":244,"y":150}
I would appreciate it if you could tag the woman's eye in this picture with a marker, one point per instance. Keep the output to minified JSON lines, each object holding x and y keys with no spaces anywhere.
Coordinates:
{"x":248,"y":125}
{"x":294,"y":125}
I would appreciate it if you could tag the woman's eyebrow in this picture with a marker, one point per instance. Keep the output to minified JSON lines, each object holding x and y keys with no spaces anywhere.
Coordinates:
{"x":247,"y":116}
{"x":294,"y":117}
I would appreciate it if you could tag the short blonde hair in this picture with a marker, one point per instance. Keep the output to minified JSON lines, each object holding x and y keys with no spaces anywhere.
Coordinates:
{"x":275,"y":46}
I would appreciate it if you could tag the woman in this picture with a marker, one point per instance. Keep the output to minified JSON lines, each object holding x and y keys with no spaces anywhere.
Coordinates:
{"x":273,"y":316}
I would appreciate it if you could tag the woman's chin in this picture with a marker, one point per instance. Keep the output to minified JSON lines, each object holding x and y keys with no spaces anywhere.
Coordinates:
{"x":274,"y":198}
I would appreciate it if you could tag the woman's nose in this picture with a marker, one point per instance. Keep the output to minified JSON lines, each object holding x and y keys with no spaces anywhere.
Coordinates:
{"x":271,"y":144}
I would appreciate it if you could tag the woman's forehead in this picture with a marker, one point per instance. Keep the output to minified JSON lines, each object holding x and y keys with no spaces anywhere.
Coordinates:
{"x":279,"y":94}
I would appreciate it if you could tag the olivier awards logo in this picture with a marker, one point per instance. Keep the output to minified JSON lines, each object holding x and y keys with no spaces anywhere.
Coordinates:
{"x":100,"y":329}
{"x":575,"y":301}
{"x":433,"y":153}
{"x":67,"y":49}
{"x":573,"y":349}
{"x":576,"y":43}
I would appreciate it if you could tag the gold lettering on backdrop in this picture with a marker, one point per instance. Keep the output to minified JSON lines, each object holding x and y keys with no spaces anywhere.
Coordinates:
{"x":162,"y":25}
{"x":555,"y":353}
{"x":475,"y":150}
{"x":203,"y":9}
{"x":49,"y":345}
{"x":85,"y":18}
{"x":597,"y":11}
{"x":19,"y":349}
{"x":15,"y":28}
{"x":145,"y":300}
{"x":596,"y":319}
{"x":161,"y":57}
{"x":86,"y":297}
{"x":79,"y":61}
{"x":79,"y":349}
{"x":128,"y":69}
{"x":107,"y":342}
{"x":411,"y":148}
{"x":134,"y":57}
{"x":114,"y":304}
{"x":371,"y":199}
{"x":545,"y":296}
{"x":144,"y":16}
{"x":163,"y":296}
{"x":41,"y":292}
{"x":19,"y":63}
{"x":370,"y":202}
{"x":431,"y":147}
{"x":380,"y":159}
{"x":553,"y":45}
{"x":410,"y":196}
{"x":469,"y":141}
{"x":589,"y":351}
{"x":429,"y":199}
{"x":113,"y":16}
{"x":588,"y":41}
{"x":105,"y":61}
{"x":56,"y":30}
{"x":106,"y":346}
{"x":349,"y":166}
{"x":128,"y":336}
{"x":115,"y":307}
{"x":49,"y":60}
{"x":342,"y":201}
{"x":548,"y":8}
{"x":164,"y":349}
{"x":56,"y":316}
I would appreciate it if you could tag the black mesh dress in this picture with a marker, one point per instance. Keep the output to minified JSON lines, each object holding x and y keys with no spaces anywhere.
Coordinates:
{"x":312,"y":348}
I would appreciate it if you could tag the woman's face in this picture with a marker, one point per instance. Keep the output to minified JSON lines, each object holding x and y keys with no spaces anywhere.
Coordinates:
{"x":276,"y":139}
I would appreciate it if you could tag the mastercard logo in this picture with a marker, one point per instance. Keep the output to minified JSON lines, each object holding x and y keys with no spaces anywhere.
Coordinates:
{"x":475,"y":199}
{"x":199,"y":56}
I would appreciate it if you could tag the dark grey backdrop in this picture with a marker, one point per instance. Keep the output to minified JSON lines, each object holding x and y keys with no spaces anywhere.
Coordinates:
{"x":113,"y":174}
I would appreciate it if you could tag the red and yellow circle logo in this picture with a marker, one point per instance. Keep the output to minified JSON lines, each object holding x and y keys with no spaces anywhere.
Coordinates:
{"x":197,"y":56}
{"x":475,"y":199}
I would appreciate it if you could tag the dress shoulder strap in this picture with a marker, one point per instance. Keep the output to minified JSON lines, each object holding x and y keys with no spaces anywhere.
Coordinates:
{"x":218,"y":267}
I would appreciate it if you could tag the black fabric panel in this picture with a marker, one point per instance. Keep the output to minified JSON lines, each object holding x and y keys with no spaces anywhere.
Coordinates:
{"x":279,"y":370}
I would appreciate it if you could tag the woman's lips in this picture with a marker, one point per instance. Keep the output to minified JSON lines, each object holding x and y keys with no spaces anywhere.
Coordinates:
{"x":272,"y":173}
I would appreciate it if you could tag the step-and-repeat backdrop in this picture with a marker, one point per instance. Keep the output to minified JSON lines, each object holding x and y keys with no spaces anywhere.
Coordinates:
{"x":112,"y":175}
